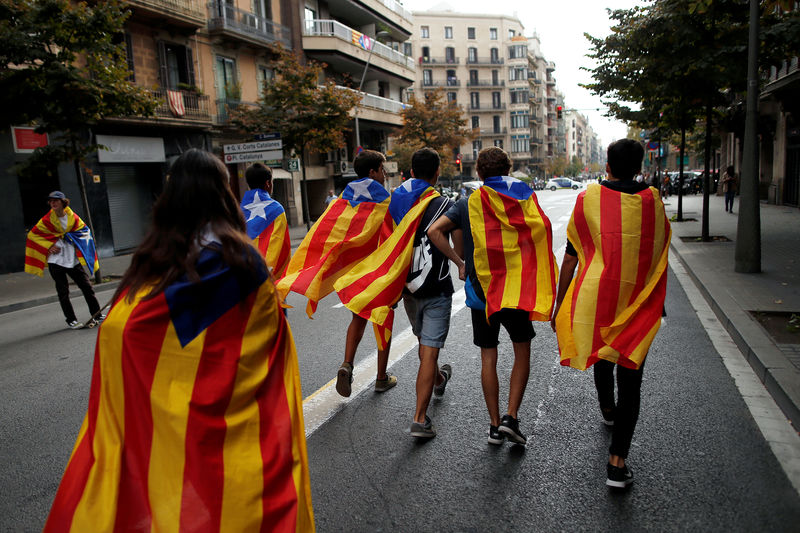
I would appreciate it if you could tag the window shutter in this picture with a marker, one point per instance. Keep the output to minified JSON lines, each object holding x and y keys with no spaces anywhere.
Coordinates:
{"x":129,"y":56}
{"x":162,"y":64}
{"x":189,"y":66}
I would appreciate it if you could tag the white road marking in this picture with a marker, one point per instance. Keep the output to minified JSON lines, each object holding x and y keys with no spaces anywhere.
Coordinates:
{"x":778,"y":432}
{"x":324,"y":403}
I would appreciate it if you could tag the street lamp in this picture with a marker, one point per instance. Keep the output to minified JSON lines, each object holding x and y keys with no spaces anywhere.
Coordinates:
{"x":378,"y":35}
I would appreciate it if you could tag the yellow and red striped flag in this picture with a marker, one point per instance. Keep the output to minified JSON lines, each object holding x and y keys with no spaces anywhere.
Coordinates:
{"x":513,"y":238}
{"x":612,"y":309}
{"x":48,"y":231}
{"x":375,"y":284}
{"x":266,"y":225}
{"x":347,"y":232}
{"x":195,"y":416}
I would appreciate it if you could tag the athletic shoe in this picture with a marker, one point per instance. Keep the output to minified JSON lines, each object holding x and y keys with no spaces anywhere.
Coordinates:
{"x":423,"y":431}
{"x":74,"y":324}
{"x":619,"y":478}
{"x":608,"y":416}
{"x":510,"y":426}
{"x":495,"y":437}
{"x":101,"y":318}
{"x":344,"y":378}
{"x":382,"y":385}
{"x":446,"y":372}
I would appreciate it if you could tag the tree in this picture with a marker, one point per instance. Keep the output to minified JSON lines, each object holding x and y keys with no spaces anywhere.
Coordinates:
{"x":310,"y":117}
{"x":63,"y":69}
{"x":432,"y":122}
{"x":557,"y":166}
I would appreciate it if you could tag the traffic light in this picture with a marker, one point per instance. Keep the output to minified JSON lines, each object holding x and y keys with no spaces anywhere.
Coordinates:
{"x":559,"y":112}
{"x":458,"y":162}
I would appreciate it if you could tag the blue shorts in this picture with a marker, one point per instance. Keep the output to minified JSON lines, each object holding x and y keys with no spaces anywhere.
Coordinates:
{"x":429,"y":317}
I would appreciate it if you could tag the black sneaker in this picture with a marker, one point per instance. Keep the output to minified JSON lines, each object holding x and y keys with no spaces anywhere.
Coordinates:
{"x":619,"y":478}
{"x":446,"y":371}
{"x":495,"y":437}
{"x":510,"y":426}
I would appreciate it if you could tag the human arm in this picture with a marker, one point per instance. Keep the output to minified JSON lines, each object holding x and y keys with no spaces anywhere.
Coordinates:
{"x":438,"y":234}
{"x":564,"y":278}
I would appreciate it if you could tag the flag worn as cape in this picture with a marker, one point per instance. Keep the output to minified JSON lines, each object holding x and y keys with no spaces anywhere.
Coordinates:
{"x":195,"y":416}
{"x":347,"y":232}
{"x":612,"y":309}
{"x":514,"y":258}
{"x":46,"y":233}
{"x":266,"y":225}
{"x":375,"y":284}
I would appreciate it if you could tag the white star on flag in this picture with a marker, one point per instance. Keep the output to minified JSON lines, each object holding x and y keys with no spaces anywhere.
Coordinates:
{"x":85,"y":236}
{"x":256,"y":209}
{"x":361,"y":189}
{"x":407,"y":186}
{"x":509,"y":181}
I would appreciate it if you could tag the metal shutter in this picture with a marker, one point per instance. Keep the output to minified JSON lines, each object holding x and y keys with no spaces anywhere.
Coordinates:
{"x":126,"y":206}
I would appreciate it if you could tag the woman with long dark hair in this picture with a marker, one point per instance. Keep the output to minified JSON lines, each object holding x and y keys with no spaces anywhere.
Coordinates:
{"x":195,"y":417}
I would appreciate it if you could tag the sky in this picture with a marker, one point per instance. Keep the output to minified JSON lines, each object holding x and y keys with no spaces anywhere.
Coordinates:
{"x":560,"y":26}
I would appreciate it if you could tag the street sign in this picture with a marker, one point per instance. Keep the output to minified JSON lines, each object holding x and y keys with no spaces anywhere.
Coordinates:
{"x":390,"y":167}
{"x":294,"y":165}
{"x":253,"y":156}
{"x":257,"y":146}
{"x":266,"y":136}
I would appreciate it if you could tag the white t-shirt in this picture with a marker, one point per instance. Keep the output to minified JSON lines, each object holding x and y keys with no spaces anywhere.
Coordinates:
{"x":65,"y":256}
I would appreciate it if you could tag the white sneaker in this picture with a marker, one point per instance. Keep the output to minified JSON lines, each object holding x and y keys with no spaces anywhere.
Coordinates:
{"x":74,"y":324}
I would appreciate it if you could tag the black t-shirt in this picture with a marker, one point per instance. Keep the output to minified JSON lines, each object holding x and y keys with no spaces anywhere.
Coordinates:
{"x":438,"y":281}
{"x":628,"y":187}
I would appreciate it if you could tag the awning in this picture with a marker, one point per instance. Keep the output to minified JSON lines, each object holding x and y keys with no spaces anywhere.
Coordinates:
{"x":280,"y":174}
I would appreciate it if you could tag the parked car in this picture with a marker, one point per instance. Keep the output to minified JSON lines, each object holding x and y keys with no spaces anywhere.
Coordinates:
{"x":563,"y":183}
{"x":692,"y":182}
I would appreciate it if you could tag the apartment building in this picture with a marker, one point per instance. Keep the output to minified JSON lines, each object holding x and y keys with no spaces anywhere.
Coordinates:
{"x":365,"y":45}
{"x":538,"y":83}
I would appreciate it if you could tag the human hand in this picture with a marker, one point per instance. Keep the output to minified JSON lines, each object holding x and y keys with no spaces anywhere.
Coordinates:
{"x":462,"y":272}
{"x":54,"y":249}
{"x":553,"y":318}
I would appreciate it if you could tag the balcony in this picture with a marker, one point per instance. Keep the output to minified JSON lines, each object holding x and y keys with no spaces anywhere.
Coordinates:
{"x":195,"y":107}
{"x":439,"y":61}
{"x":186,"y":13}
{"x":436,"y":84}
{"x":489,"y":61}
{"x":491,"y":132}
{"x":225,"y":20}
{"x":486,"y":84}
{"x":536,"y":140}
{"x":486,"y":108}
{"x":352,"y":43}
{"x":378,"y":108}
{"x":224,"y":106}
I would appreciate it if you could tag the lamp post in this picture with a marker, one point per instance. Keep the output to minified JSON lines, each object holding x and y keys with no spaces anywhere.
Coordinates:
{"x":381,"y":33}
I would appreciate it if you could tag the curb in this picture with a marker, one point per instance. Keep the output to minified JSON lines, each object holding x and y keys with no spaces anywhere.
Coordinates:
{"x":18,"y":306}
{"x":778,"y":375}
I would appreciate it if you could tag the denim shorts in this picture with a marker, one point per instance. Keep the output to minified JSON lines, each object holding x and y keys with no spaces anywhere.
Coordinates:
{"x":429,"y":317}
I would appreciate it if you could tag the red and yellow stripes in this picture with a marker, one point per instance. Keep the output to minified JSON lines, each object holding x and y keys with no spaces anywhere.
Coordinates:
{"x":343,"y":236}
{"x":43,"y":235}
{"x":514,"y":258}
{"x":275,"y":246}
{"x":375,"y":284}
{"x":208,"y":437}
{"x":612,"y":309}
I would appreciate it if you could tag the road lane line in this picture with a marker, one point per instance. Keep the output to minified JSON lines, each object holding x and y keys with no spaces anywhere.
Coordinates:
{"x":324,"y":403}
{"x":783,"y":440}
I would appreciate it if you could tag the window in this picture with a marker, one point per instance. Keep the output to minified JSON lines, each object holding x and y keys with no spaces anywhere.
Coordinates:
{"x":476,"y":147}
{"x":474,"y":100}
{"x":452,"y":80}
{"x":519,"y":119}
{"x":494,"y":55}
{"x":493,"y":34}
{"x":426,"y":54}
{"x":470,"y":33}
{"x":425,"y":32}
{"x":129,"y":56}
{"x":511,"y":34}
{"x":495,"y":77}
{"x":517,"y":73}
{"x":225,"y":73}
{"x":517,"y":51}
{"x":520,"y":143}
{"x":407,"y":49}
{"x":427,"y":77}
{"x":448,"y":32}
{"x":476,"y":122}
{"x":472,"y":55}
{"x":176,"y":65}
{"x":451,"y":98}
{"x":498,"y":143}
{"x":496,"y":123}
{"x":450,"y":54}
{"x":473,"y":77}
{"x":496,"y":99}
{"x":263,"y":75}
{"x":519,"y":96}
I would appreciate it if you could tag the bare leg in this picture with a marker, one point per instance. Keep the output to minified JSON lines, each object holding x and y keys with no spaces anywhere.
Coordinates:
{"x":426,"y":377}
{"x":491,"y":388}
{"x":519,"y":376}
{"x":383,"y":361}
{"x":354,"y":333}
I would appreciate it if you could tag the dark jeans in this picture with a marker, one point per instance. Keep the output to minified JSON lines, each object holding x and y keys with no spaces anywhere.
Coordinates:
{"x":78,"y":275}
{"x":626,"y":412}
{"x":729,"y":200}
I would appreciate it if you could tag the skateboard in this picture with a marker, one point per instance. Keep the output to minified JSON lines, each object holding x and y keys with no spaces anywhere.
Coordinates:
{"x":92,"y":322}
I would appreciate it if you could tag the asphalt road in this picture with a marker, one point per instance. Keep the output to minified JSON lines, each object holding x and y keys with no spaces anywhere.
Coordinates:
{"x":699,"y":460}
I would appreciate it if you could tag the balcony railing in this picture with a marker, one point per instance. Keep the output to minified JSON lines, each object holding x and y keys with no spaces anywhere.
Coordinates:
{"x":378,"y":102}
{"x":500,"y":107}
{"x":333,"y":28}
{"x":483,"y":83}
{"x":397,"y":8}
{"x":448,"y":83}
{"x":439,"y":61}
{"x":184,"y":9}
{"x":494,"y":131}
{"x":226,"y":17}
{"x":489,"y":61}
{"x":195,"y":106}
{"x":225,"y":105}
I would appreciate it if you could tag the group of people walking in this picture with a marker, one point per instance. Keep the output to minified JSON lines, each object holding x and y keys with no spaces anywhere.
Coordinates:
{"x":195,"y":409}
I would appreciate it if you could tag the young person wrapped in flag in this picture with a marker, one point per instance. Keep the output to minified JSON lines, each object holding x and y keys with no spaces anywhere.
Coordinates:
{"x":63,"y":242}
{"x":195,"y":417}
{"x":509,"y":272}
{"x":266,"y":219}
{"x":348,"y":231}
{"x":609,"y":313}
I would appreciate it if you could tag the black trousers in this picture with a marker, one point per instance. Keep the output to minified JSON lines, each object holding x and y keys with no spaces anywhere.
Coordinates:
{"x":78,"y":275}
{"x":626,"y":409}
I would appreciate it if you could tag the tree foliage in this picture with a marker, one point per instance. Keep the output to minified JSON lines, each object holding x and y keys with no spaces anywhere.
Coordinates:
{"x":432,"y":122}
{"x":63,"y":69}
{"x":310,"y":117}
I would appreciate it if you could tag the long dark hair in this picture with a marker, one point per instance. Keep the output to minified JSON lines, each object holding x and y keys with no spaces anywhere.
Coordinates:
{"x":196,"y":199}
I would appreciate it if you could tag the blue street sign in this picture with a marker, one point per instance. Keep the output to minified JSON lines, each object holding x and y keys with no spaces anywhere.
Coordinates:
{"x":266,"y":136}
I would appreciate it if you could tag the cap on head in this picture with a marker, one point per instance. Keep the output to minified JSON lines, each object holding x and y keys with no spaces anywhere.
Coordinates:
{"x":57,"y":195}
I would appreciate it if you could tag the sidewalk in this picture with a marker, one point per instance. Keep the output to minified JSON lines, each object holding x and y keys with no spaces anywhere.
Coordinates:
{"x":733,"y":296}
{"x":22,"y":291}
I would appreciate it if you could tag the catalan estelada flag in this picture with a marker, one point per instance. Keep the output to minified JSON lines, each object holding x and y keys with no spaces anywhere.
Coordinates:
{"x":48,"y":231}
{"x":347,"y":232}
{"x":195,"y":416}
{"x":612,"y":309}
{"x":266,"y":225}
{"x":375,"y":284}
{"x":513,"y":239}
